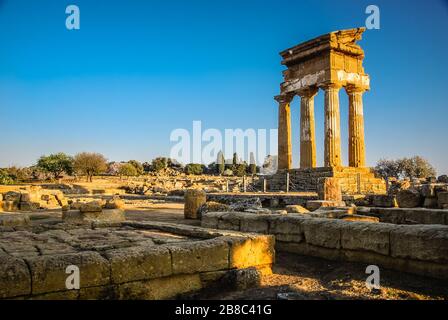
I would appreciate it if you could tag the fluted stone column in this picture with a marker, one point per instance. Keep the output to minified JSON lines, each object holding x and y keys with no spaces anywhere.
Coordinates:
{"x":356,"y":147}
{"x":307,"y":128}
{"x":332,"y":126}
{"x":284,"y":132}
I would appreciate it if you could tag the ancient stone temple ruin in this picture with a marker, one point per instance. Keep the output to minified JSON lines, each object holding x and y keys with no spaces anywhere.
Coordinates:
{"x":330,"y":62}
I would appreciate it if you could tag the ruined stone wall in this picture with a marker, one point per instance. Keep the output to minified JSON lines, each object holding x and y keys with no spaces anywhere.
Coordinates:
{"x":352,"y":180}
{"x":410,"y":215}
{"x":128,"y":260}
{"x":418,"y":249}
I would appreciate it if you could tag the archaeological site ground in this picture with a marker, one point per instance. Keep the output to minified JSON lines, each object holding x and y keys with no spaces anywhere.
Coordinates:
{"x":321,"y":216}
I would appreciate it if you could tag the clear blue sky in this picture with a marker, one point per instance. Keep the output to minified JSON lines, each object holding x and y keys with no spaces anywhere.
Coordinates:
{"x":136,"y":70}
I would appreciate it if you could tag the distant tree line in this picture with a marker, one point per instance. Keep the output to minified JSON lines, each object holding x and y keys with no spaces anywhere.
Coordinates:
{"x":58,"y":165}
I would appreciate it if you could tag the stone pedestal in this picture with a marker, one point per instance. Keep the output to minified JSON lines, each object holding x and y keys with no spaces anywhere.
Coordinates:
{"x":307,"y":128}
{"x":332,"y":126}
{"x":329,"y":189}
{"x":194,"y":199}
{"x":356,"y":147}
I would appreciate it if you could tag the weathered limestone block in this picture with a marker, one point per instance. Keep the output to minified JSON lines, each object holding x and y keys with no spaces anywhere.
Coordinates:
{"x":246,"y":204}
{"x":115,"y":203}
{"x":288,"y":229}
{"x":10,"y":206}
{"x":194,"y":199}
{"x":357,"y":217}
{"x":329,"y":189}
{"x":430,"y":202}
{"x":251,"y":251}
{"x":323,"y":232}
{"x":242,"y":279}
{"x":160,"y":289}
{"x":421,"y":242}
{"x":211,"y":206}
{"x":28,"y":196}
{"x":48,"y":272}
{"x":210,"y":219}
{"x":384,"y":200}
{"x":207,"y":255}
{"x":316,"y":204}
{"x":254,"y":223}
{"x":367,"y":236}
{"x":424,"y":216}
{"x":442,"y":199}
{"x":229,"y":221}
{"x":409,"y":198}
{"x":29,"y":206}
{"x":14,"y":219}
{"x":295,"y":208}
{"x":112,"y":215}
{"x":94,"y":206}
{"x":139,"y":263}
{"x":12,"y":196}
{"x":15,"y":278}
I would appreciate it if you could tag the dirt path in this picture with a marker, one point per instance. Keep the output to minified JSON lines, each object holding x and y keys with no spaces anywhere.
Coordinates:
{"x":318,"y":279}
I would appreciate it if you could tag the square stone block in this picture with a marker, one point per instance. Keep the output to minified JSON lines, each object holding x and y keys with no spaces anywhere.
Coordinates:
{"x":442,"y":198}
{"x":15,"y":279}
{"x":139,"y":263}
{"x":323,"y":232}
{"x":199,"y":256}
{"x":421,"y":242}
{"x":254,"y":223}
{"x":48,"y":272}
{"x":251,"y":251}
{"x":287,"y":228}
{"x":367,"y":236}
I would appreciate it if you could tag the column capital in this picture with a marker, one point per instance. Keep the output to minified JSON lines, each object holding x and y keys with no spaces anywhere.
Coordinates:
{"x":308,"y":92}
{"x":354,"y":90}
{"x":284,"y":97}
{"x":330,"y":86}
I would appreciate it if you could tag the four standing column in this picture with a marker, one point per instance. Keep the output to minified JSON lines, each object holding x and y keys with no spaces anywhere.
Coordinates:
{"x":307,"y":128}
{"x":356,"y":144}
{"x":332,"y":126}
{"x":356,"y":147}
{"x":284,"y":132}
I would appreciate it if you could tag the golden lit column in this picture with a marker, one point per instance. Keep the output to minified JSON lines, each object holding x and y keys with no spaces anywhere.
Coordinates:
{"x":307,"y":128}
{"x":332,"y":126}
{"x":356,"y":146}
{"x":284,"y":132}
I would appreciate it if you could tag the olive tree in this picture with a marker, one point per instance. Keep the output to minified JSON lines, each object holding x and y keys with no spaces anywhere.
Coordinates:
{"x":56,"y":164}
{"x":90,"y":164}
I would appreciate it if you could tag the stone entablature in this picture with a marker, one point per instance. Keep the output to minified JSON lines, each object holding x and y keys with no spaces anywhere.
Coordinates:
{"x":329,"y":62}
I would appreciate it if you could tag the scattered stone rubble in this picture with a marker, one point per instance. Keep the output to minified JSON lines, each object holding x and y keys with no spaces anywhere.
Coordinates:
{"x":410,"y":194}
{"x":31,"y":199}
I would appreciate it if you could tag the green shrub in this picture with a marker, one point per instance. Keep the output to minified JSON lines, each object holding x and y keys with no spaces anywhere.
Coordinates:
{"x":159,"y":164}
{"x":127,"y":170}
{"x":138,"y":167}
{"x":194,"y":168}
{"x":5,"y":178}
{"x":240,"y":169}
